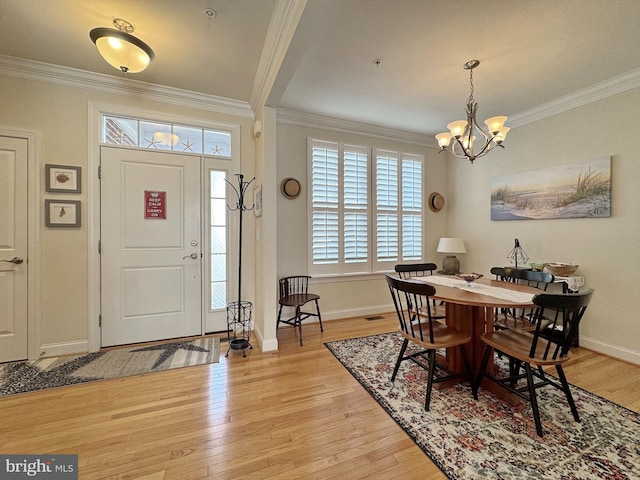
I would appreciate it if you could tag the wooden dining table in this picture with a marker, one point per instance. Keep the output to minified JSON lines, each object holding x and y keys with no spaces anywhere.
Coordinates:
{"x":470,"y":308}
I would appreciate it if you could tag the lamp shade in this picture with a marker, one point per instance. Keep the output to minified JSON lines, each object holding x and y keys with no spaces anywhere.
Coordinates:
{"x":121,"y":49}
{"x":451,"y":245}
{"x":457,"y":128}
{"x":444,"y":139}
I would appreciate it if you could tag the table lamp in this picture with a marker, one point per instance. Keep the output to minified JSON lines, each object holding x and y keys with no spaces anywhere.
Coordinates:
{"x":517,"y":254}
{"x":450,"y":264}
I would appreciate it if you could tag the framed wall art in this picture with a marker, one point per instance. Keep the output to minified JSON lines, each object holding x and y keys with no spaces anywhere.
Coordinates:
{"x":257,"y":200}
{"x":572,"y":190}
{"x":62,"y":213}
{"x":62,"y":178}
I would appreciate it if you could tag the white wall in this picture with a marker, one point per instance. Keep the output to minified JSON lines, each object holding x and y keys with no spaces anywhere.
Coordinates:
{"x":605,"y":248}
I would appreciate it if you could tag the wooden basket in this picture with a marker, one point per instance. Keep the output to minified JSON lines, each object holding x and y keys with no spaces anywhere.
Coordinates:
{"x":561,"y":269}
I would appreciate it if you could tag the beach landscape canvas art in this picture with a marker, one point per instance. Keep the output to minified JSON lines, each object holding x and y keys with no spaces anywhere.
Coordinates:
{"x":572,"y":190}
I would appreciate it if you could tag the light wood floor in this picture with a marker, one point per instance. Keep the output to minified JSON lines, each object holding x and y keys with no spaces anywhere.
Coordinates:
{"x":295,"y":414}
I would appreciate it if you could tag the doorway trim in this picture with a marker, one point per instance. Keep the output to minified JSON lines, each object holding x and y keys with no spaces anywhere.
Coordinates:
{"x":94,"y":139}
{"x":34,"y":318}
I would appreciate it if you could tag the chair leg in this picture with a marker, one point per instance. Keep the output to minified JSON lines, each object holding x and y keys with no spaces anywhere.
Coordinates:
{"x":485,"y":358}
{"x":533,"y":398}
{"x":319,"y":317}
{"x":567,"y":392}
{"x":399,"y":361}
{"x":467,"y":365}
{"x":514,"y":370}
{"x":279,"y":314}
{"x":298,"y":322}
{"x":432,"y":369}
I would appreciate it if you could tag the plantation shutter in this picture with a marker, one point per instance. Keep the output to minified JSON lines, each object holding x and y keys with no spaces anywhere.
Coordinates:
{"x":365,"y":210}
{"x":355,"y":208}
{"x":387,"y":207}
{"x":411,"y":207}
{"x":325,"y":230}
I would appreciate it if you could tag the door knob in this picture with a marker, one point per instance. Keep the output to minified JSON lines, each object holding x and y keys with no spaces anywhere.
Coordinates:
{"x":16,"y":260}
{"x":194,"y":255}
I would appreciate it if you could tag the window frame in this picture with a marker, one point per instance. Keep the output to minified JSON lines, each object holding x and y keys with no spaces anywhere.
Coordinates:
{"x":372,"y":265}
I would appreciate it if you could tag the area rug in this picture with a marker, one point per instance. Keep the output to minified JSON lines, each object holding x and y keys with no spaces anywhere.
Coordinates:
{"x":21,"y":377}
{"x":490,"y":438}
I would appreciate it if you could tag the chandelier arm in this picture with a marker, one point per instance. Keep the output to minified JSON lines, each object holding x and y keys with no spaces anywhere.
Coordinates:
{"x":457,"y":142}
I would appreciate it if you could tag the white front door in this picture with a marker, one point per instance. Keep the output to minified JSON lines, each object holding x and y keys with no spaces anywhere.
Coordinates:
{"x":13,"y":249}
{"x":151,"y":246}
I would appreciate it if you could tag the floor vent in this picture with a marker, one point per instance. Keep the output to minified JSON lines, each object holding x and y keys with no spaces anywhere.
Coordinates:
{"x":375,"y":317}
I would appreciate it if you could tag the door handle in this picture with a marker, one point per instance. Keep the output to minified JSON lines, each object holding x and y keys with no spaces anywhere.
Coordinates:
{"x":16,"y":260}
{"x":194,"y":255}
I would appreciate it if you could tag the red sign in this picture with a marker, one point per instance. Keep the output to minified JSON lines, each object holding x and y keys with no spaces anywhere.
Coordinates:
{"x":155,"y":205}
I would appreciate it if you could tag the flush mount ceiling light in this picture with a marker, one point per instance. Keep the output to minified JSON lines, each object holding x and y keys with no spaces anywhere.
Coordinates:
{"x":121,"y":49}
{"x":463,"y":132}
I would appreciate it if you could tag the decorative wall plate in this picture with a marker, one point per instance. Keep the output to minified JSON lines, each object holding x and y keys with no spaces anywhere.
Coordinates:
{"x":290,"y":188}
{"x":436,"y":202}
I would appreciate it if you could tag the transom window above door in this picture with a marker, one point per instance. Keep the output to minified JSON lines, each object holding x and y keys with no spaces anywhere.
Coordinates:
{"x":134,"y":132}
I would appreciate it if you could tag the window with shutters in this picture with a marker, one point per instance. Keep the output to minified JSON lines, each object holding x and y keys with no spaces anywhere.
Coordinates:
{"x":366,"y":208}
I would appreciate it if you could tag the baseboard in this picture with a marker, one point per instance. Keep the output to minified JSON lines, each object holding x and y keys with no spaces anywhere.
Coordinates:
{"x":614,"y":351}
{"x":66,"y":348}
{"x":266,"y":345}
{"x":270,"y":345}
{"x":356,"y":312}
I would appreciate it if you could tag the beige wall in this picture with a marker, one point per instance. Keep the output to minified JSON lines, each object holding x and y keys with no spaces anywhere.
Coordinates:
{"x":59,"y":114}
{"x":605,"y":248}
{"x":352,"y":296}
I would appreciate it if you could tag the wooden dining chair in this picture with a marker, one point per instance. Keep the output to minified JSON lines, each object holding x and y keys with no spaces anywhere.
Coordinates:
{"x":523,"y":317}
{"x":409,"y":270}
{"x":294,"y":292}
{"x":426,"y":334}
{"x":531,"y":351}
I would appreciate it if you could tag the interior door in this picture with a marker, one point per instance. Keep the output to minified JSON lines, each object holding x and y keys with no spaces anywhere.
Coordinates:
{"x":150,"y":246}
{"x":13,"y":249}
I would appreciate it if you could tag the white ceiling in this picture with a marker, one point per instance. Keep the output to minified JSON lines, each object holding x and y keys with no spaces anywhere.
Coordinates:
{"x":531,"y":52}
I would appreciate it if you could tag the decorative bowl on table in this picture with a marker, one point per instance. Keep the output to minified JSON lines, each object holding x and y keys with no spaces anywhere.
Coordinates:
{"x":537,"y":267}
{"x":561,"y":269}
{"x":469,"y":277}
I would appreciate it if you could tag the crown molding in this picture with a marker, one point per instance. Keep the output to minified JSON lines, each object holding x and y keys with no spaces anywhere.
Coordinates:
{"x":310,"y":120}
{"x":75,"y":78}
{"x":599,"y":91}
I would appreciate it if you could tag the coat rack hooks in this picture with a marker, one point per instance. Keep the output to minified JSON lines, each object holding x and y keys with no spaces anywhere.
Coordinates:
{"x":240,"y":192}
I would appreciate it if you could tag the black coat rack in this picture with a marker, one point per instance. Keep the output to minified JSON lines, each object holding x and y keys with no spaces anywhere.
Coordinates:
{"x":239,"y":313}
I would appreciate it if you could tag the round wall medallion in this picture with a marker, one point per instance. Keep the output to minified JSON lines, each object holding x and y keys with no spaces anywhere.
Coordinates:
{"x":290,"y":187}
{"x":436,"y":202}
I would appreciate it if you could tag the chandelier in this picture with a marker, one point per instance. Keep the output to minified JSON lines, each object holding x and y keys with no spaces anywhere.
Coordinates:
{"x":120,"y":49}
{"x":466,"y":139}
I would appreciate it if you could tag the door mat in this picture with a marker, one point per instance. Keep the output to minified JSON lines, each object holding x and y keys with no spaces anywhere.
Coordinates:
{"x":21,"y":377}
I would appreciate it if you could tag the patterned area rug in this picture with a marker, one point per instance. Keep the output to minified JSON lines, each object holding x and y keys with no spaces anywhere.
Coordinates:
{"x":490,"y":438}
{"x":21,"y":377}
